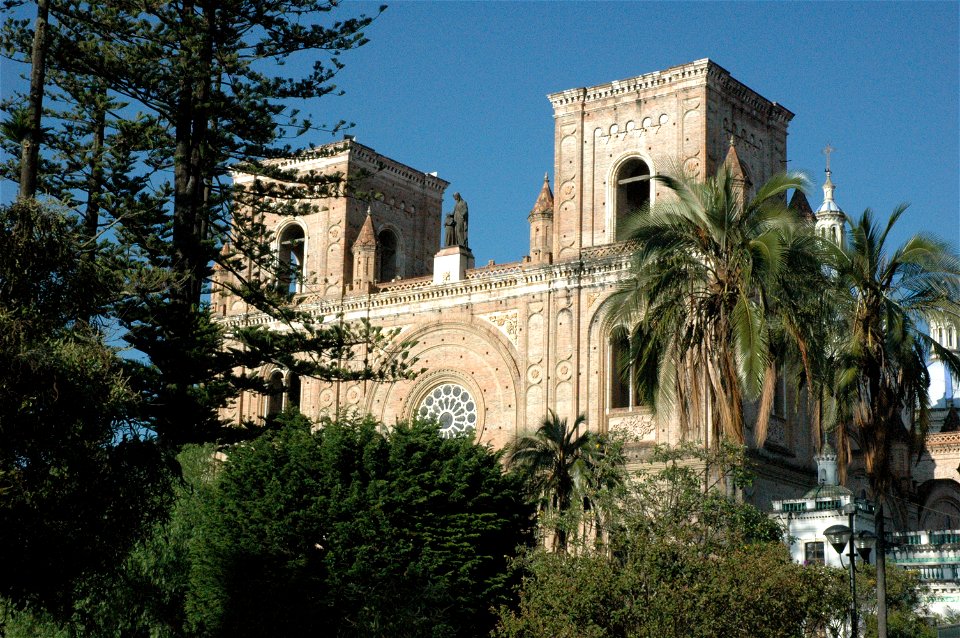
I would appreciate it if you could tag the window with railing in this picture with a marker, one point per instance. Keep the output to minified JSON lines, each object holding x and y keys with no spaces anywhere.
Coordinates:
{"x":833,"y":504}
{"x":795,"y":507}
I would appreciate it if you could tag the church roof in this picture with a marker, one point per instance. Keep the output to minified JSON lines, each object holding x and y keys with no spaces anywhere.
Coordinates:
{"x":544,"y":203}
{"x":827,"y":491}
{"x":367,"y":236}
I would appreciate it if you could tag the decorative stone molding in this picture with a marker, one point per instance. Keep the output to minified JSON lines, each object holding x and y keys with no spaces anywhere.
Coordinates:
{"x":506,"y":322}
{"x":640,"y":426}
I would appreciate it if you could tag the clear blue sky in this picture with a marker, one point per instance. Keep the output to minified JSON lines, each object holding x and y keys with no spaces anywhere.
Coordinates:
{"x":459,"y":88}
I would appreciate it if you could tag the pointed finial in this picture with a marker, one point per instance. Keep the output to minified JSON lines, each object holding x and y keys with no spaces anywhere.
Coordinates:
{"x":732,"y":140}
{"x":546,"y":177}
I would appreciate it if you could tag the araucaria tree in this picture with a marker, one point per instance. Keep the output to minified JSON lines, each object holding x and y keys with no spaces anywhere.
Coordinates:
{"x":701,"y":299}
{"x":885,"y":297}
{"x":137,"y":114}
{"x":151,"y":106}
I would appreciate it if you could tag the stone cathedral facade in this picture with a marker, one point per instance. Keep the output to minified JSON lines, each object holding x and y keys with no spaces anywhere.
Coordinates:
{"x":503,"y":344}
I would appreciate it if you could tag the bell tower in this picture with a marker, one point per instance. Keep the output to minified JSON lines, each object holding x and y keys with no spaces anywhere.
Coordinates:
{"x":609,"y":139}
{"x":830,"y":218}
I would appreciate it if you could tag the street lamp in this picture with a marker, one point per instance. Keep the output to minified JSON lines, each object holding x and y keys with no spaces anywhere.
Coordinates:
{"x":865,"y":542}
{"x":840,"y":536}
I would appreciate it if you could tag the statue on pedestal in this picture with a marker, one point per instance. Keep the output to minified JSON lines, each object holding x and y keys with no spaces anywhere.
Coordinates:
{"x":456,"y":234}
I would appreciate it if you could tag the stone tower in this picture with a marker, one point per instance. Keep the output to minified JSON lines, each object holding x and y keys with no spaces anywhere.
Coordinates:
{"x":609,"y":138}
{"x":402,"y":203}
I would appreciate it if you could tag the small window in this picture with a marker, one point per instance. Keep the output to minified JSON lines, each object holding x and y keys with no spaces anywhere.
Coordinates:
{"x":387,"y":243}
{"x":290,"y":255}
{"x":280,"y":395}
{"x":813,"y":553}
{"x":633,"y":192}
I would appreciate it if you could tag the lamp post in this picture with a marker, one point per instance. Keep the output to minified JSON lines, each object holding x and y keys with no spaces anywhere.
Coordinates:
{"x":840,"y":536}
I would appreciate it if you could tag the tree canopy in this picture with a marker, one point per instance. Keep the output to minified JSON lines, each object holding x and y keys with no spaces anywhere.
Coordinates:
{"x":683,"y":560}
{"x":700,"y":303}
{"x":351,"y":530}
{"x":79,"y":483}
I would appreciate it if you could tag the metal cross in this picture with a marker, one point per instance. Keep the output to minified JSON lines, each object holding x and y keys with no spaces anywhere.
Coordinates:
{"x":826,"y":151}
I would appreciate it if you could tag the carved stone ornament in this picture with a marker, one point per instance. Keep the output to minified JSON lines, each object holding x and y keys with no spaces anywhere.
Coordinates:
{"x":354,"y":395}
{"x":534,"y":374}
{"x":506,"y":322}
{"x":641,"y":426}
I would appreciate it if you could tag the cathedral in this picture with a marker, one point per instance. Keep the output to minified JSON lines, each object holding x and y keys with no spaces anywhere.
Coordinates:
{"x":502,"y":344}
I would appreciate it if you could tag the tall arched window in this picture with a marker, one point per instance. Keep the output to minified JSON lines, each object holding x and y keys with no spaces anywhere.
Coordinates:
{"x":620,"y":370}
{"x":274,"y":394}
{"x":293,"y":392}
{"x":283,"y":391}
{"x":290,"y":255}
{"x":632,"y":191}
{"x":387,"y":243}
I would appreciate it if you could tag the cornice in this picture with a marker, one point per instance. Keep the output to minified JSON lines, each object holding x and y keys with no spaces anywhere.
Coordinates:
{"x":330,"y":154}
{"x":655,"y":79}
{"x":598,"y":267}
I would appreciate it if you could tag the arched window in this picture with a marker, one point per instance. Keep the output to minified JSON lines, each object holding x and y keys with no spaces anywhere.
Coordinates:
{"x":620,"y":370}
{"x":387,"y":243}
{"x":293,"y":392}
{"x":632,"y":191}
{"x":280,"y":395}
{"x":290,"y":255}
{"x":274,"y":394}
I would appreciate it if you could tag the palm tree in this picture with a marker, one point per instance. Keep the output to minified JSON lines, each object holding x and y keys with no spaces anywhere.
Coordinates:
{"x":557,"y":461}
{"x":881,"y":375}
{"x":702,"y":298}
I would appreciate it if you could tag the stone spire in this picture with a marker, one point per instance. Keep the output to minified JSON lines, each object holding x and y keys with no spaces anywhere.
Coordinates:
{"x":741,"y":179}
{"x":365,"y":256}
{"x":541,"y":224}
{"x":544,"y":203}
{"x":801,"y":205}
{"x":830,"y":217}
{"x":367,"y":236}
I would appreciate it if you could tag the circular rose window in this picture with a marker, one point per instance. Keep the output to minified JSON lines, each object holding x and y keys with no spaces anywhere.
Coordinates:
{"x":452,"y":407}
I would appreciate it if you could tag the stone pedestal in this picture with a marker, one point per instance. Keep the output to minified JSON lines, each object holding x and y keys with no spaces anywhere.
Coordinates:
{"x":451,"y":264}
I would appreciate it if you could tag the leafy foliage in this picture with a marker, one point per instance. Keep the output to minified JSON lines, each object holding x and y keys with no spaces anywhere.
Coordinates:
{"x":684,"y":561}
{"x":149,"y":108}
{"x":79,"y":484}
{"x":348,"y":530}
{"x":886,"y":295}
{"x":565,"y":470}
{"x":701,"y":302}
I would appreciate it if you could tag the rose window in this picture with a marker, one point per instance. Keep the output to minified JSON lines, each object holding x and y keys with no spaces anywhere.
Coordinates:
{"x":452,"y":407}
